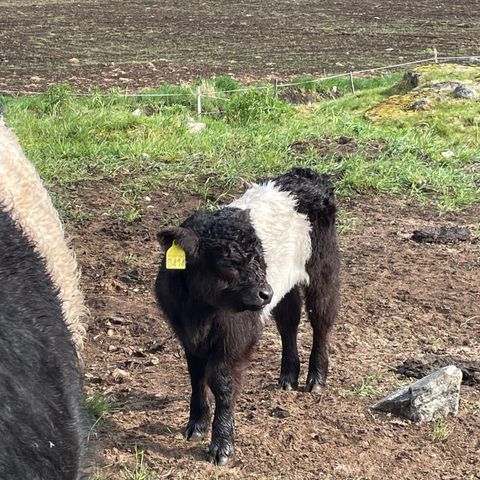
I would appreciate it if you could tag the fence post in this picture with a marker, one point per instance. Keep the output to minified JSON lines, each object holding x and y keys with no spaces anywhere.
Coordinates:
{"x":275,"y":88}
{"x":199,"y":100}
{"x":435,"y":54}
{"x":351,"y":82}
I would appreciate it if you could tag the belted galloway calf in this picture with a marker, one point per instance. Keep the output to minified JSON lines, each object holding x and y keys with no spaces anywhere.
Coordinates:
{"x":42,"y":425}
{"x":243,"y":262}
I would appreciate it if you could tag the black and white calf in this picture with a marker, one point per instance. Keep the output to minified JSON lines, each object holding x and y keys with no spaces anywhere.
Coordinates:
{"x":244,"y":262}
{"x":42,"y":425}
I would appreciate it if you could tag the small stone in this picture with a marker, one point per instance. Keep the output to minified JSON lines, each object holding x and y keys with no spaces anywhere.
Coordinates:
{"x":137,"y":112}
{"x":195,"y":127}
{"x":120,"y":375}
{"x":438,"y":87}
{"x":423,"y":104}
{"x":152,"y":361}
{"x":117,"y":320}
{"x":463,"y":91}
{"x":74,"y":61}
{"x":434,"y":396}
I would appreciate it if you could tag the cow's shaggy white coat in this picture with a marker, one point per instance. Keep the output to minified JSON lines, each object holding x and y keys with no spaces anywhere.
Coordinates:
{"x":23,"y":193}
{"x":285,"y":237}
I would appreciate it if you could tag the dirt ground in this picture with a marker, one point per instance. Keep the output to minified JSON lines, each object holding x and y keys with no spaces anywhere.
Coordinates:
{"x":137,"y":43}
{"x":400,"y":299}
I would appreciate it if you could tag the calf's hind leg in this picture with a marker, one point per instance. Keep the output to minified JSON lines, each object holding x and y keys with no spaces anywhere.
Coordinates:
{"x":287,"y":317}
{"x":321,"y":302}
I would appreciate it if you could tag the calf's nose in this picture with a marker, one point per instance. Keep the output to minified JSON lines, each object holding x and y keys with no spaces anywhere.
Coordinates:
{"x":266,"y":294}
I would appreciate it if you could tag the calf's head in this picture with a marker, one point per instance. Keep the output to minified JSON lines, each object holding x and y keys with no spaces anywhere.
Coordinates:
{"x":225,"y":264}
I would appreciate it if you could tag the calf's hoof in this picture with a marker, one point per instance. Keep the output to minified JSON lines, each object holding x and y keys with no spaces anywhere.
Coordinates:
{"x":315,"y":383}
{"x":220,"y":452}
{"x":288,"y":381}
{"x":196,"y":430}
{"x":287,"y":385}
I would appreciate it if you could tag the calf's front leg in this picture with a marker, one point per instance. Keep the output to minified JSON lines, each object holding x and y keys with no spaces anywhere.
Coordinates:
{"x":199,"y":420}
{"x":224,"y":381}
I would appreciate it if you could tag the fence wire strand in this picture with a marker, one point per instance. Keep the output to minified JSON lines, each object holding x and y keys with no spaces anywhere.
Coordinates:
{"x":437,"y":59}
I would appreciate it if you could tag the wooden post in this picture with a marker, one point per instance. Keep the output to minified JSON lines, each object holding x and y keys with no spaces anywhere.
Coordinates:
{"x":275,"y":88}
{"x":199,"y":100}
{"x":351,"y":82}
{"x":435,"y":54}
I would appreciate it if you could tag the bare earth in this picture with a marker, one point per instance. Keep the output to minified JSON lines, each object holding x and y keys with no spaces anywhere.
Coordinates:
{"x":400,"y":299}
{"x":137,"y":43}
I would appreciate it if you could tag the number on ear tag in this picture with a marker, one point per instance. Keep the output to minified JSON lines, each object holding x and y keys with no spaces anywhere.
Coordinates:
{"x":176,"y":258}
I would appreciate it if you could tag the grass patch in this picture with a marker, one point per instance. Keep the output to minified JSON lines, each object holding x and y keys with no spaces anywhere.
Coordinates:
{"x":440,"y":430}
{"x":368,"y":387}
{"x":145,"y":141}
{"x":98,"y":406}
{"x":346,"y":222}
{"x":140,"y":470}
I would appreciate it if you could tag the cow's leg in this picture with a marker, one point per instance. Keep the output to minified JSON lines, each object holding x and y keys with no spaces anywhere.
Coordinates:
{"x":321,"y":303}
{"x":199,"y":420}
{"x":287,"y":317}
{"x":224,"y":381}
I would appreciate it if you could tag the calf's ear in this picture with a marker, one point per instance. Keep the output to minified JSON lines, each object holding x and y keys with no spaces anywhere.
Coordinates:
{"x":186,"y":238}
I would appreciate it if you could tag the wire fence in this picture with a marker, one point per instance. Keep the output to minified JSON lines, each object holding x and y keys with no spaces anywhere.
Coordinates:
{"x":200,"y":94}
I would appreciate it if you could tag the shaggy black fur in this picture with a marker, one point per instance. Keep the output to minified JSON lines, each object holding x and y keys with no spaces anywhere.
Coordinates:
{"x":214,"y":305}
{"x":316,"y":199}
{"x":42,"y":427}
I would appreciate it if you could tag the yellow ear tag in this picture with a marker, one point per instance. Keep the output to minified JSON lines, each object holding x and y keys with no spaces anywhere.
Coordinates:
{"x":176,"y":258}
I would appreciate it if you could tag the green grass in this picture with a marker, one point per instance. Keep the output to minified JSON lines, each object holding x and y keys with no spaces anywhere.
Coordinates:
{"x":367,"y":388}
{"x":346,"y":222}
{"x":440,"y":430}
{"x":140,"y":471}
{"x":248,"y":135}
{"x":98,"y":406}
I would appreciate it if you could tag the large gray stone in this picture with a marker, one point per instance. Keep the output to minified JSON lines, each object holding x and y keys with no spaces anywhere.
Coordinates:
{"x":434,"y":396}
{"x":462,"y":91}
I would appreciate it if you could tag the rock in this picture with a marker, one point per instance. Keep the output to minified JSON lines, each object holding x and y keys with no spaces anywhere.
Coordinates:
{"x":152,"y":361}
{"x":438,"y":87}
{"x":137,"y":112}
{"x":432,"y":397}
{"x":120,"y":375}
{"x":465,"y":92}
{"x":422,"y":104}
{"x":195,"y":127}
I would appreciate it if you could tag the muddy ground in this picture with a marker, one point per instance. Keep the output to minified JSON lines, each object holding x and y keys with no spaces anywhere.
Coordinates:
{"x":137,"y":43}
{"x":400,"y":299}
